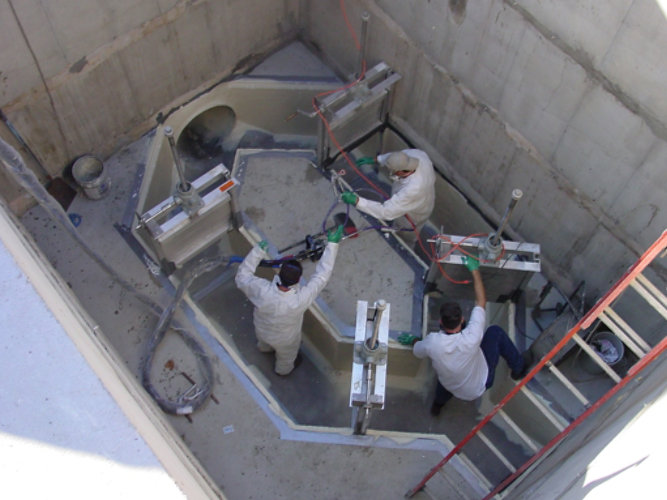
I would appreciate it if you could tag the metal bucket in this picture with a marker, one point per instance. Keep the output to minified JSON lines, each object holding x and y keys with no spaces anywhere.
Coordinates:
{"x":88,"y":172}
{"x":606,"y":345}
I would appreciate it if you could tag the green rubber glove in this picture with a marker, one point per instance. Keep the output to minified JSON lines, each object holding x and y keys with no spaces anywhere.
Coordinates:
{"x":349,"y":197}
{"x":366,"y":160}
{"x":407,"y":339}
{"x":264,"y":245}
{"x":471,"y":263}
{"x":335,"y":236}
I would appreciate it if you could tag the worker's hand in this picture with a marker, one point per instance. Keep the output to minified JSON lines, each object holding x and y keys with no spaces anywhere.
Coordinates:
{"x":335,"y":236}
{"x":407,"y":339}
{"x":264,"y":245}
{"x":471,"y":263}
{"x":350,"y":198}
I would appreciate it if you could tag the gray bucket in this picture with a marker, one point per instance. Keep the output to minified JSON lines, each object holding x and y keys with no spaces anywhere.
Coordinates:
{"x":608,"y":347}
{"x":88,"y":172}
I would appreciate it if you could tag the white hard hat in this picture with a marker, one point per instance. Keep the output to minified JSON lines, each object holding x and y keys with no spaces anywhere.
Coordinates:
{"x":400,"y":161}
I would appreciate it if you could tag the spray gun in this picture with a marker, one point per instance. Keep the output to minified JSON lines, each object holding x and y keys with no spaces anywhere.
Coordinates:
{"x":314,"y":243}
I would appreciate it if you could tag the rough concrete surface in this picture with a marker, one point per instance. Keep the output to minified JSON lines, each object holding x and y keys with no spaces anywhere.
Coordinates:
{"x":560,"y":96}
{"x":527,"y":126}
{"x":234,"y":435}
{"x":141,"y":60}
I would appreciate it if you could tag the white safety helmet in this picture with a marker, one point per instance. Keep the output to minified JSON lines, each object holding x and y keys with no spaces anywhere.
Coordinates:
{"x":398,"y":161}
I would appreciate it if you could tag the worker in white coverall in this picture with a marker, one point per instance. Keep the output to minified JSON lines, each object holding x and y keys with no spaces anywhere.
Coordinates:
{"x":280,"y":304}
{"x":413,"y":192}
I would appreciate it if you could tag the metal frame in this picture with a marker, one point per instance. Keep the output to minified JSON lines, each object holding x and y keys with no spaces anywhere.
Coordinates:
{"x":176,"y":235}
{"x":369,"y":365}
{"x":519,"y":256}
{"x":361,"y":107}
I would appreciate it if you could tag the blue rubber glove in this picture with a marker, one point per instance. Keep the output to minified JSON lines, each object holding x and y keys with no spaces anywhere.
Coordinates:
{"x":471,"y":263}
{"x":350,"y":198}
{"x":335,"y":236}
{"x":264,"y":245}
{"x":407,"y":339}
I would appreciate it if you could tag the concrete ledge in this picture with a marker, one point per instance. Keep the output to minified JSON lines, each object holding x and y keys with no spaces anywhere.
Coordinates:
{"x":144,"y":414}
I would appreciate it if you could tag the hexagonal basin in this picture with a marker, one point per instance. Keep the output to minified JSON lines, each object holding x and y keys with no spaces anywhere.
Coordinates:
{"x":282,"y":197}
{"x":253,"y":127}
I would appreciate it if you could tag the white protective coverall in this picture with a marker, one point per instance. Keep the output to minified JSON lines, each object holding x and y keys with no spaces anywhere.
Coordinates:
{"x":413,"y":195}
{"x":278,"y":314}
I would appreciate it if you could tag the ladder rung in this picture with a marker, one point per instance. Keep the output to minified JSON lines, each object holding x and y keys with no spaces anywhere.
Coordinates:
{"x":526,"y":438}
{"x":566,"y":382}
{"x":646,"y":283}
{"x":496,"y":451}
{"x":595,"y":357}
{"x":543,"y":408}
{"x":624,"y":332}
{"x":650,"y":293}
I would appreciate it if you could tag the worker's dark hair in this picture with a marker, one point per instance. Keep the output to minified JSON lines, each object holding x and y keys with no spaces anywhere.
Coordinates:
{"x":290,"y":272}
{"x":450,"y":315}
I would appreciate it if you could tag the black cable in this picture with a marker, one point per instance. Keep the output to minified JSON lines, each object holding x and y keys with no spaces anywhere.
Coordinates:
{"x":27,"y":179}
{"x":185,"y":405}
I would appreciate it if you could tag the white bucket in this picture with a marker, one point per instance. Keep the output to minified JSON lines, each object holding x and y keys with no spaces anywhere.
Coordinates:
{"x":608,"y":347}
{"x":88,"y":172}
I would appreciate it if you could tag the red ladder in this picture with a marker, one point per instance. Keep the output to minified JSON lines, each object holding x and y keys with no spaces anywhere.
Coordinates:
{"x":602,"y":310}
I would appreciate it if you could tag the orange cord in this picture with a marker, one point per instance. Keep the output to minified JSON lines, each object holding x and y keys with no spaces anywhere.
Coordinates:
{"x":349,"y":26}
{"x":344,"y":87}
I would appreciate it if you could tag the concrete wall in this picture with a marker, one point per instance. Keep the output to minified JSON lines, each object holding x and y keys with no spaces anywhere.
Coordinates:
{"x":564,"y":100}
{"x":87,"y":77}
